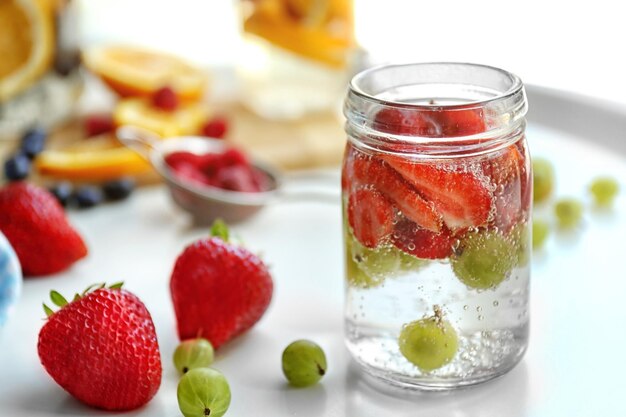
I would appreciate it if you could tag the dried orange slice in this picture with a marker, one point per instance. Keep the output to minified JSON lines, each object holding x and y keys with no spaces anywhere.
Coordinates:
{"x":96,"y":159}
{"x":187,"y":119}
{"x":132,"y":71}
{"x":26,"y":44}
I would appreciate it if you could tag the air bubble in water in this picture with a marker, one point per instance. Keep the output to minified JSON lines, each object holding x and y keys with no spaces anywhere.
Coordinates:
{"x":496,"y":303}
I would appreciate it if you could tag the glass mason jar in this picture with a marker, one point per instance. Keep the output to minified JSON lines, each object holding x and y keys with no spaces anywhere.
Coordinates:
{"x":437,"y":192}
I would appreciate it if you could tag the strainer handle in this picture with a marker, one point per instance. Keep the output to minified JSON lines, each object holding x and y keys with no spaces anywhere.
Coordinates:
{"x":140,"y":140}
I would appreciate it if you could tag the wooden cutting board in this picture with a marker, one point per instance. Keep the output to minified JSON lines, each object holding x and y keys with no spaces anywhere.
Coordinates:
{"x":313,"y":142}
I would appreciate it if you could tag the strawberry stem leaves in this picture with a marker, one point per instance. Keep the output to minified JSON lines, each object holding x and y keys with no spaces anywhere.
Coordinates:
{"x":58,"y":299}
{"x":47,"y":310}
{"x":93,"y":287}
{"x":220,"y":229}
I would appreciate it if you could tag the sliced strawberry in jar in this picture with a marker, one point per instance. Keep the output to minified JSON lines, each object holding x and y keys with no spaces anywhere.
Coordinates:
{"x":346,"y":169}
{"x":430,"y":123}
{"x":370,"y":215}
{"x":459,"y":196}
{"x":505,"y":170}
{"x":406,"y":122}
{"x":371,"y":170}
{"x":464,"y":122}
{"x":410,"y":238}
{"x":525,"y":173}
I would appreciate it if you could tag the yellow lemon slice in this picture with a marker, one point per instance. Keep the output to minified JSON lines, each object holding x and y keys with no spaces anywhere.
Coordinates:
{"x":132,"y":71}
{"x":187,"y":119}
{"x":95,"y":159}
{"x":26,"y":44}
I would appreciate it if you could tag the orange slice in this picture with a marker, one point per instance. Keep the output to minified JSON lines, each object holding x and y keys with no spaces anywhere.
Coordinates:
{"x":132,"y":71}
{"x":187,"y":119}
{"x":311,"y":12}
{"x":96,"y":159}
{"x":316,"y":34}
{"x":26,"y":44}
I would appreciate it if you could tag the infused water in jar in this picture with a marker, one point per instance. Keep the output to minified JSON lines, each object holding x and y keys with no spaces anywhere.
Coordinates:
{"x":437,"y":192}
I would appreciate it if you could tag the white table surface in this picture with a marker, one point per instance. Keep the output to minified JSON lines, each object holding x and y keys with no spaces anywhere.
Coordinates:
{"x":573,"y":366}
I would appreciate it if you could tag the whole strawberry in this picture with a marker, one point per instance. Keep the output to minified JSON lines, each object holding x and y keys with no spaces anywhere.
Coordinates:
{"x":219,"y":289}
{"x":102,"y":349}
{"x":35,"y":225}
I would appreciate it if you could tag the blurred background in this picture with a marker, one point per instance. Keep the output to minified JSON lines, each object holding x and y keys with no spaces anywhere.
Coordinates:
{"x":269,"y":74}
{"x":561,"y":44}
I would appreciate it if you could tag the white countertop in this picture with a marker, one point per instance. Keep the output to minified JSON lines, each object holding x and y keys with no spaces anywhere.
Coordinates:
{"x":573,"y":366}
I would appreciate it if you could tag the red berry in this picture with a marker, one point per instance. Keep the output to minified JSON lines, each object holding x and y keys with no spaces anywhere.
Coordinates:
{"x":370,"y":215}
{"x":165,"y":98}
{"x":262,"y":181}
{"x":187,"y":158}
{"x":234,"y":156}
{"x":217,"y":128}
{"x":211,"y":163}
{"x":97,"y":124}
{"x":219,"y":290}
{"x":103,"y":350}
{"x":189,"y":173}
{"x":236,"y":178}
{"x":35,"y":224}
{"x":410,"y":238}
{"x":229,"y":170}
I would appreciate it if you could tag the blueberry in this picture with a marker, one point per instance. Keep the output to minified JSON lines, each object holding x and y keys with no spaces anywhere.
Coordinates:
{"x":33,"y":142}
{"x":118,"y":189}
{"x":88,"y":196}
{"x":62,"y":192}
{"x":17,"y":167}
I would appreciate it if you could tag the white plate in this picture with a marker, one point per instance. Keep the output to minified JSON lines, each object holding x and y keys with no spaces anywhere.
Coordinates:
{"x":574,"y":366}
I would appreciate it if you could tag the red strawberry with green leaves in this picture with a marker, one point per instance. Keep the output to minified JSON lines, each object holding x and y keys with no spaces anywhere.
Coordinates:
{"x":35,"y":224}
{"x":219,"y":289}
{"x":414,"y":240}
{"x":459,"y":195}
{"x":102,"y":348}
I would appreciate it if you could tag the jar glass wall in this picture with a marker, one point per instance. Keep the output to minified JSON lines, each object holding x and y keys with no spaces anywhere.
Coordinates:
{"x":437,"y":192}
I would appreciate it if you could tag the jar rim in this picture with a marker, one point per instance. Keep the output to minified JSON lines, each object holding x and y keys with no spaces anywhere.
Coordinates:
{"x":516,"y":87}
